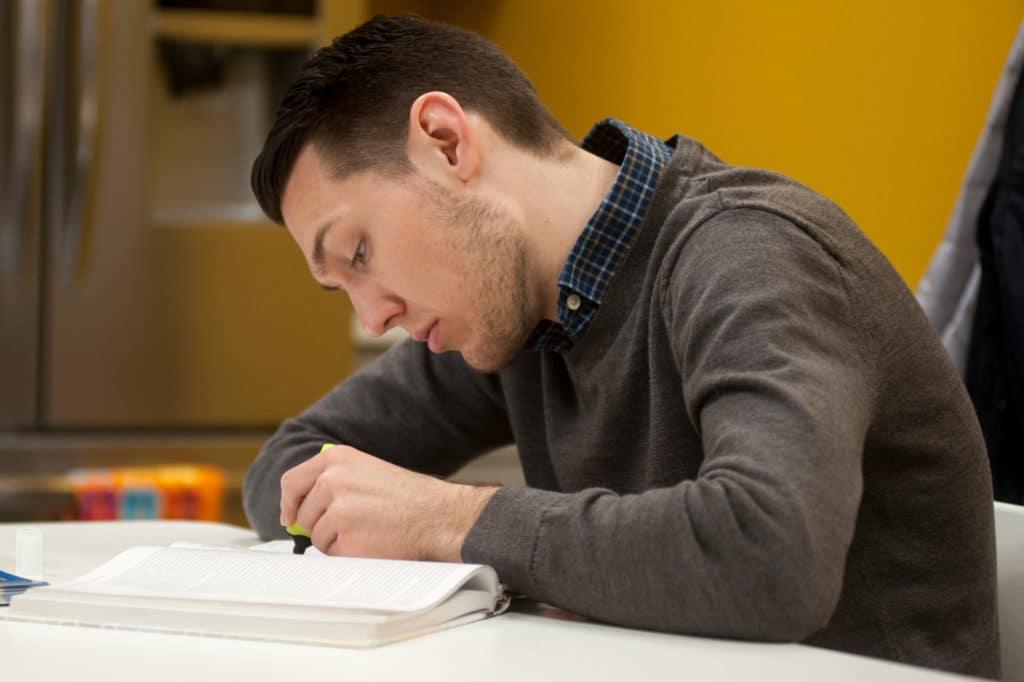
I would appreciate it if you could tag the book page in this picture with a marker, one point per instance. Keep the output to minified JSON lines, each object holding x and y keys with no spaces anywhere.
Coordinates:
{"x":275,"y":546}
{"x":270,"y":578}
{"x":283,"y":547}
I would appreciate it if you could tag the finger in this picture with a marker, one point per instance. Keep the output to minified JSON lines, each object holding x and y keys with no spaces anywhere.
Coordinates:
{"x":296,"y":483}
{"x":325,"y":536}
{"x":314,"y":504}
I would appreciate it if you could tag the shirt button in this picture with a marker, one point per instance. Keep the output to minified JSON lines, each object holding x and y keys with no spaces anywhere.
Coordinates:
{"x":573,"y":302}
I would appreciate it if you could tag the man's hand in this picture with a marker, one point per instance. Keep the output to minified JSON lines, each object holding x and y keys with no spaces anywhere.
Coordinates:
{"x":354,"y":504}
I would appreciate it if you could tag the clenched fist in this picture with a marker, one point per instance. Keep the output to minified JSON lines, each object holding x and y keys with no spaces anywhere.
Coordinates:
{"x":354,"y":504}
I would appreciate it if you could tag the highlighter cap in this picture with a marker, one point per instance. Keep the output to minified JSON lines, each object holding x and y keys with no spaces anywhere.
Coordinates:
{"x":296,"y":529}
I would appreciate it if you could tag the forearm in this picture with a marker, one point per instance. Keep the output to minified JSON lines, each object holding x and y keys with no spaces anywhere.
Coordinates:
{"x":701,"y":558}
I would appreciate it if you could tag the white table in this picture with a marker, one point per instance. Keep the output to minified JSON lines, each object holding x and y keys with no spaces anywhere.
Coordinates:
{"x":519,"y":647}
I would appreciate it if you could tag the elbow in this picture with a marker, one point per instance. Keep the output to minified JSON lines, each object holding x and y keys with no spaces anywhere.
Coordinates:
{"x":762,"y":600}
{"x":801,"y":614}
{"x":761,"y":595}
{"x":787,"y":574}
{"x":796,"y":598}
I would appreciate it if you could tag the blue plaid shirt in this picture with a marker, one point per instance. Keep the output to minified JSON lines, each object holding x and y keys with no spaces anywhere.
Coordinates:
{"x":609,"y":233}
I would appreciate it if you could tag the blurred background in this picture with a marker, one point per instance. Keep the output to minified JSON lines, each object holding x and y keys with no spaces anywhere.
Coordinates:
{"x":155,"y":328}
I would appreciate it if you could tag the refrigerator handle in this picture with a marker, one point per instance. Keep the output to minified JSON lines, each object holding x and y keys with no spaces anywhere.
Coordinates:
{"x":88,"y":130}
{"x":27,"y":91}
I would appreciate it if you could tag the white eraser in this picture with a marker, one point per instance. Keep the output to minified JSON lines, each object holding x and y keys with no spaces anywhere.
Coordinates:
{"x":28,"y":553}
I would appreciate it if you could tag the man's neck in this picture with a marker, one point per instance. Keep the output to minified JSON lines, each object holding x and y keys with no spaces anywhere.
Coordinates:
{"x":559,"y":198}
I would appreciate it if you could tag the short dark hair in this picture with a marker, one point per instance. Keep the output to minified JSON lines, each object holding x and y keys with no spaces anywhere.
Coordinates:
{"x":352,"y":98}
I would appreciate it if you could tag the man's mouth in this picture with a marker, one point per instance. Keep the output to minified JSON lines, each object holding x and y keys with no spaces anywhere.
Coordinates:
{"x":434,"y":337}
{"x":430,"y":334}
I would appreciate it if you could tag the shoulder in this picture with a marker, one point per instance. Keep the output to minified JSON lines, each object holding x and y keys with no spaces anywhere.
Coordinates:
{"x":741,"y":248}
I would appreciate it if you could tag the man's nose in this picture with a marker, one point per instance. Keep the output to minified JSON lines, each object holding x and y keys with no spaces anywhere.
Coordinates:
{"x":374,"y":308}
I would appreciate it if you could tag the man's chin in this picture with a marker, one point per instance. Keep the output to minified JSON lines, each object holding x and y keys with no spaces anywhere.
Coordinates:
{"x":488,"y":363}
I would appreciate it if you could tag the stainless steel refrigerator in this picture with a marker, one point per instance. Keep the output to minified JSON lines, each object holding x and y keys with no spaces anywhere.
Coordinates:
{"x":147,"y":310}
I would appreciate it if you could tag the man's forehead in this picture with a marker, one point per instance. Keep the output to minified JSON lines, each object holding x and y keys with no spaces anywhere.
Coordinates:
{"x":314,"y":200}
{"x":313,"y":190}
{"x":308,"y":178}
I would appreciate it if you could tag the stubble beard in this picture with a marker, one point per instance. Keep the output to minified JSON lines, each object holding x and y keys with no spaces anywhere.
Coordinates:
{"x":503,"y":325}
{"x":489,"y":246}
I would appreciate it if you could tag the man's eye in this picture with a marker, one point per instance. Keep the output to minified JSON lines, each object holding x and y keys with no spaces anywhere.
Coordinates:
{"x":360,"y":255}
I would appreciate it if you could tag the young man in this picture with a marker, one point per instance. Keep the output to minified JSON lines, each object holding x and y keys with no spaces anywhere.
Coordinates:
{"x":732,"y":416}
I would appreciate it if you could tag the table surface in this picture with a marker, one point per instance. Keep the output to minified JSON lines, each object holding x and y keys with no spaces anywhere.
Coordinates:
{"x":537,"y":644}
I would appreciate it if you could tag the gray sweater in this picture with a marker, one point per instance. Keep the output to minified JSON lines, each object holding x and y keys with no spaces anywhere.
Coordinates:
{"x":758,"y":437}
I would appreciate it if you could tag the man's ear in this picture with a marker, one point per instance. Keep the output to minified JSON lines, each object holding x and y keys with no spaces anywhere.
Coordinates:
{"x":442,"y":142}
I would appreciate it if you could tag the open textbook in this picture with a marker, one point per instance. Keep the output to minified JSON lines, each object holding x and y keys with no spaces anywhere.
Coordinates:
{"x":268,"y":595}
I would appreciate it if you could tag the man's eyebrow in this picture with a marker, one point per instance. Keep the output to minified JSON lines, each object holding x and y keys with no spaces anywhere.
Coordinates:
{"x":319,"y":264}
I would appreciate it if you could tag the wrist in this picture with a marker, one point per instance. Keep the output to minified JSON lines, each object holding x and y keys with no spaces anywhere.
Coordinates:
{"x":464,"y":506}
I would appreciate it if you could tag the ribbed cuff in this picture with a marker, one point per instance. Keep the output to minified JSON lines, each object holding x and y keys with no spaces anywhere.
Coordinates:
{"x":507,"y":534}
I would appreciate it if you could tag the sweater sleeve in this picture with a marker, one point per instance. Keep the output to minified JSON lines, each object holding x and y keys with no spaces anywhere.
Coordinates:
{"x":773,"y":380}
{"x":430,"y":413}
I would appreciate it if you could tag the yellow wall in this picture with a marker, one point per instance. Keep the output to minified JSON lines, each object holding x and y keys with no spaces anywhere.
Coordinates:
{"x":875,"y":103}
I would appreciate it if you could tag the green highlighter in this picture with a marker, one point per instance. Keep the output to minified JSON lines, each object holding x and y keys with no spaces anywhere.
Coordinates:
{"x":300,"y":536}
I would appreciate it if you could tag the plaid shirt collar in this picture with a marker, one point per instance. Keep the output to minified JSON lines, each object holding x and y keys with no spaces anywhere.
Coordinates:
{"x":609,"y":234}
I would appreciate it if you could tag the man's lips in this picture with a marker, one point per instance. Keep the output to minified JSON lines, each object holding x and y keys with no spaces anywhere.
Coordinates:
{"x":434,"y":338}
{"x":423,"y":333}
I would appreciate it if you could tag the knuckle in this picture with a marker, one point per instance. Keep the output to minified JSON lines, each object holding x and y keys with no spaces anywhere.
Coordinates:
{"x":337,"y":511}
{"x":338,"y":474}
{"x":330,"y":478}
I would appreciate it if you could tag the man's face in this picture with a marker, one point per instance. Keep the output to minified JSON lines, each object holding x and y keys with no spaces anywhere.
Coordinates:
{"x":450,"y":270}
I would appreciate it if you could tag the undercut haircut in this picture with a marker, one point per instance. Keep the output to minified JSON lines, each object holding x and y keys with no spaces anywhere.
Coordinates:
{"x":352,"y":98}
